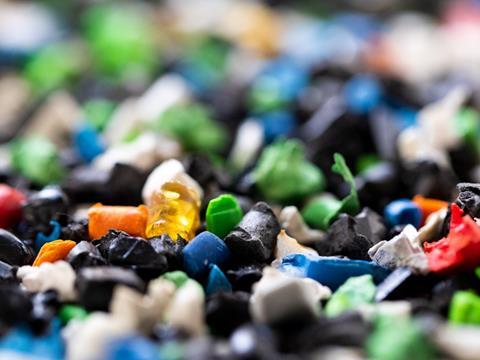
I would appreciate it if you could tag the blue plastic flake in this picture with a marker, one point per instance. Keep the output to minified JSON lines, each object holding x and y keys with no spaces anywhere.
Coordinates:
{"x":362,"y":93}
{"x":41,"y":239}
{"x":217,"y":281}
{"x":331,"y":271}
{"x":88,"y":142}
{"x":402,"y":212}
{"x":132,"y":348}
{"x":405,"y":117}
{"x":281,"y":81}
{"x":290,"y":77}
{"x":276,"y":124}
{"x":21,"y":339}
{"x":204,"y":249}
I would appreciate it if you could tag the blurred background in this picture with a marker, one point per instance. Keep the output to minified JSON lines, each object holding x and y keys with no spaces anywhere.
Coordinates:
{"x":103,"y":73}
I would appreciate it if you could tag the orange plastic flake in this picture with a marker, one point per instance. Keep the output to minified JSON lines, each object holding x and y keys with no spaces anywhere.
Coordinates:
{"x":428,"y":205}
{"x":131,"y":219}
{"x":54,"y":251}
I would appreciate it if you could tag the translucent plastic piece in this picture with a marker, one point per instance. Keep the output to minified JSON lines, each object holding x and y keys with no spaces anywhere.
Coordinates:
{"x":174,"y":210}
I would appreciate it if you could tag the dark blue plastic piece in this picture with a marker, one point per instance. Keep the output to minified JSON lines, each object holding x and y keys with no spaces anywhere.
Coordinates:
{"x":217,"y":281}
{"x":41,"y":239}
{"x":402,"y":212}
{"x":88,"y":142}
{"x":132,"y":348}
{"x":277,"y":123}
{"x":204,"y":249}
{"x":331,"y":271}
{"x":362,"y":93}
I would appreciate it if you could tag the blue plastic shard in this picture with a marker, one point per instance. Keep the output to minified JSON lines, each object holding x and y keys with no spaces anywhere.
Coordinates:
{"x":331,"y":271}
{"x":217,"y":281}
{"x":41,"y":239}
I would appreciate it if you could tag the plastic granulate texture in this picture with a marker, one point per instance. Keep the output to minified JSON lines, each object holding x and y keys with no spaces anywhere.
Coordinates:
{"x":239,"y":180}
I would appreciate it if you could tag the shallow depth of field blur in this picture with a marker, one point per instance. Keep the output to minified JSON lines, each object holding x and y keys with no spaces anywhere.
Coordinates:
{"x":97,"y":57}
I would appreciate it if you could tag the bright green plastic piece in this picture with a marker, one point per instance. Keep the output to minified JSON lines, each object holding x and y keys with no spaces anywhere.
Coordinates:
{"x":322,"y":210}
{"x":53,"y":67}
{"x":223,"y":214}
{"x":192,"y":125}
{"x":37,"y":159}
{"x":350,"y":203}
{"x":355,"y":291}
{"x":179,"y":278}
{"x":98,"y":112}
{"x":283,"y":174}
{"x":122,"y":40}
{"x":464,"y":308}
{"x":468,"y":126}
{"x":397,"y":338}
{"x":70,"y":312}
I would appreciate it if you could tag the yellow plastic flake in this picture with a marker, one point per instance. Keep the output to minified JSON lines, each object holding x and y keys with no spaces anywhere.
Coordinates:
{"x":174,"y":210}
{"x":253,"y":26}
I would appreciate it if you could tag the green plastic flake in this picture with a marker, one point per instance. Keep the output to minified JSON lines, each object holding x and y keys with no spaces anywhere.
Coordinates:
{"x":70,"y":312}
{"x":322,"y":210}
{"x":350,"y":203}
{"x":37,"y":159}
{"x":98,"y":112}
{"x":283,"y":174}
{"x":468,"y":126}
{"x":122,"y":40}
{"x":179,"y":278}
{"x":211,"y":52}
{"x":223,"y":214}
{"x":266,"y":96}
{"x":54,"y":66}
{"x":397,"y":338}
{"x":192,"y":125}
{"x":464,"y":308}
{"x":355,"y":291}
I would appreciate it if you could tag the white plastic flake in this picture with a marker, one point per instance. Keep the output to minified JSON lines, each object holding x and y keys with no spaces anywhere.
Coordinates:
{"x":57,"y":276}
{"x":402,"y":250}
{"x":287,"y":245}
{"x":291,"y":220}
{"x":143,"y":153}
{"x":86,"y":339}
{"x":277,"y":297}
{"x":186,"y":310}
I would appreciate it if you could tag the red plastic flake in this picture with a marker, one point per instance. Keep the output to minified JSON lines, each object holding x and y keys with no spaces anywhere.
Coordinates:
{"x":11,"y":201}
{"x":460,"y":250}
